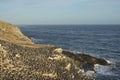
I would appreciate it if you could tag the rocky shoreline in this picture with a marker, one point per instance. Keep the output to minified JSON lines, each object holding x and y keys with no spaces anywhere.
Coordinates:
{"x":29,"y":61}
{"x":23,"y":63}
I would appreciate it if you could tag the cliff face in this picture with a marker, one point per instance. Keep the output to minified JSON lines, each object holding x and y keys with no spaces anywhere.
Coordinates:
{"x":11,"y":33}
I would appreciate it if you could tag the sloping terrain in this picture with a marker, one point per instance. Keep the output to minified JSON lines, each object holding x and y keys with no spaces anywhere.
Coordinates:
{"x":25,"y":63}
{"x":21,"y":59}
{"x":11,"y":33}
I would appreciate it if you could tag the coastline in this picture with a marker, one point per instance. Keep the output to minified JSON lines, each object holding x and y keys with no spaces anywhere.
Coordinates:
{"x":35,"y":61}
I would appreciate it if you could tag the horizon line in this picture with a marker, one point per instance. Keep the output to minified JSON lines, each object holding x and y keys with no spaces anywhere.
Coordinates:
{"x":68,"y":24}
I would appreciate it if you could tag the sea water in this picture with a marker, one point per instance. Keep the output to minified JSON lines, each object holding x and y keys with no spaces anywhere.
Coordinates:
{"x":101,"y":41}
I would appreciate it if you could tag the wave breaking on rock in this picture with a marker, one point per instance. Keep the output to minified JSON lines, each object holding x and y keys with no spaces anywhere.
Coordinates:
{"x":21,"y":59}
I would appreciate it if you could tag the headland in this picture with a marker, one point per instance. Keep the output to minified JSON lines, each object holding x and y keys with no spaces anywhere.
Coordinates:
{"x":21,"y":59}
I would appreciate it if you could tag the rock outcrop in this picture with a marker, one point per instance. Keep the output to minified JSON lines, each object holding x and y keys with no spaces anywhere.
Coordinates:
{"x":87,"y":62}
{"x":21,"y":59}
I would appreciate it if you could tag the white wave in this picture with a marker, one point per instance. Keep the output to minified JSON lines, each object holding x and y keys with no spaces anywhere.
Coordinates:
{"x":90,"y":73}
{"x":109,"y":62}
{"x":36,"y":40}
{"x":33,"y":39}
{"x":104,"y":70}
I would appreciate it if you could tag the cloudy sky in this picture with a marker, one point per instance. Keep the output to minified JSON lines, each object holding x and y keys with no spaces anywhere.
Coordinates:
{"x":60,"y":11}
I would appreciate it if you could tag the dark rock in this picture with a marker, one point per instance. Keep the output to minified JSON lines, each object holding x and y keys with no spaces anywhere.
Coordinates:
{"x":86,"y":62}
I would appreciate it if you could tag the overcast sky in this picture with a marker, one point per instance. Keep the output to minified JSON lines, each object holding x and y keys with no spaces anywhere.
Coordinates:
{"x":60,"y":11}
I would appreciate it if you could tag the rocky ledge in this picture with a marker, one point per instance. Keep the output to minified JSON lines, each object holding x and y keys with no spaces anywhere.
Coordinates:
{"x":21,"y":59}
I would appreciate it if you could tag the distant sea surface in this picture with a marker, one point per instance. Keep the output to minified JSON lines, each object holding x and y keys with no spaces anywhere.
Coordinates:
{"x":101,"y":41}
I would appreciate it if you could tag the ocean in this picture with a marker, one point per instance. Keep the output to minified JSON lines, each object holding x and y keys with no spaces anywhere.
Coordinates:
{"x":102,"y":41}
